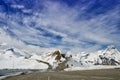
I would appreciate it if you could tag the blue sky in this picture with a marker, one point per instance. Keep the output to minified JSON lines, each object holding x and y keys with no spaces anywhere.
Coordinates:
{"x":76,"y":25}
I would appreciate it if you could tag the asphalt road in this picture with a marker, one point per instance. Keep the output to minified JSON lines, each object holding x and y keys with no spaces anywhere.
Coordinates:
{"x":105,"y":74}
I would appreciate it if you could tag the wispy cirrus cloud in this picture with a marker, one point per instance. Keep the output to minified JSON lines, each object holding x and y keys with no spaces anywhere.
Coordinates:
{"x":65,"y":27}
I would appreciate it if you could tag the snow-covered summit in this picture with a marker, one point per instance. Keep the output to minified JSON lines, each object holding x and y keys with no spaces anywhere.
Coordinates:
{"x":109,"y":56}
{"x":13,"y":58}
{"x":111,"y":52}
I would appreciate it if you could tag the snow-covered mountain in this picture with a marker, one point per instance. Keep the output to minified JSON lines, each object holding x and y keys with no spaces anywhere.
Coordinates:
{"x":17,"y":59}
{"x":14,"y":54}
{"x":52,"y":59}
{"x":14,"y":58}
{"x":109,"y":56}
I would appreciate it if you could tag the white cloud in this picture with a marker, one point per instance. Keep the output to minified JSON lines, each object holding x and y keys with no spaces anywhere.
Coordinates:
{"x":17,"y":6}
{"x":26,"y":10}
{"x":77,"y":34}
{"x":7,"y":41}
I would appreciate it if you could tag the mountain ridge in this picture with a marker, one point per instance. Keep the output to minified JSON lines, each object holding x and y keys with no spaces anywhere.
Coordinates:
{"x":57,"y":60}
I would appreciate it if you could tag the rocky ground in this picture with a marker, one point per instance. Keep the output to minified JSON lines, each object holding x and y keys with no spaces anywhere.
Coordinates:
{"x":105,"y":74}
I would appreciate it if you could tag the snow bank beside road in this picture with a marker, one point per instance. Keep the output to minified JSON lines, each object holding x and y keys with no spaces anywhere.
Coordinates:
{"x":91,"y":68}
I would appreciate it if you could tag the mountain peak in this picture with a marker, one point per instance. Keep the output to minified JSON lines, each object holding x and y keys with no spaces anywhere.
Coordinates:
{"x":10,"y":49}
{"x":110,"y":50}
{"x":111,"y":47}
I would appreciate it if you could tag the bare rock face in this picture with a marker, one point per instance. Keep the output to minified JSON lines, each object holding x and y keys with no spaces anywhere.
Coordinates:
{"x":61,"y":60}
{"x":55,"y":60}
{"x":57,"y":55}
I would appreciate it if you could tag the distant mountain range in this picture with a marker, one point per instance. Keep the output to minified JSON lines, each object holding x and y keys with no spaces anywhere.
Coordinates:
{"x":14,"y":58}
